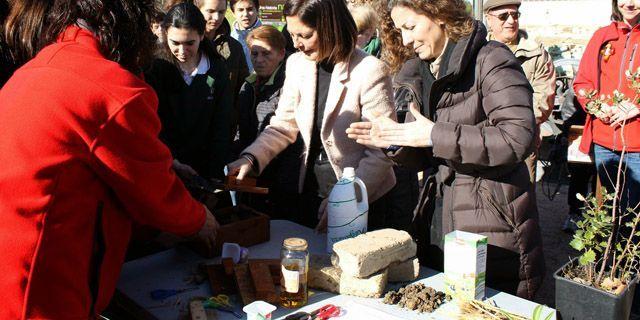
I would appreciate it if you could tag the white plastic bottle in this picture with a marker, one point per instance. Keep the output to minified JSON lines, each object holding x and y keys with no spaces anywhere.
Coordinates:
{"x":347,"y":217}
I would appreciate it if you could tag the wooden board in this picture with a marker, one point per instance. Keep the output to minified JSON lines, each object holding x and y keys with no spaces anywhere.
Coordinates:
{"x":274,"y":268}
{"x":223,"y":283}
{"x":220,"y":282}
{"x":263,"y":282}
{"x":245,"y":285}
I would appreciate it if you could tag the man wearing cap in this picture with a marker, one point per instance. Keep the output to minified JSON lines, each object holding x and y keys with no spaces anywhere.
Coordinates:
{"x":502,"y":20}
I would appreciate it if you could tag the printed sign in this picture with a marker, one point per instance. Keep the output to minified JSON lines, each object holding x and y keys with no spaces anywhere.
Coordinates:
{"x":271,"y":13}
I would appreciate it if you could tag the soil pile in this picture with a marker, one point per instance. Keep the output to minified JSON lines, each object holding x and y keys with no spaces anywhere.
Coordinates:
{"x":417,"y":297}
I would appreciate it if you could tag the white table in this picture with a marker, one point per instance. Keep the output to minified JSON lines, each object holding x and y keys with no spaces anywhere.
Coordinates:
{"x":168,"y":269}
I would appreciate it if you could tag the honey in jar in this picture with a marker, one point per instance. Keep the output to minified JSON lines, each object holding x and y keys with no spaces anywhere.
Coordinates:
{"x":294,"y":266}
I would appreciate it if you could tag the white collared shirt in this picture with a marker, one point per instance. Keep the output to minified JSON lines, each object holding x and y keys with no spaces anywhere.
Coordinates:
{"x":203,"y":67}
{"x":434,"y":66}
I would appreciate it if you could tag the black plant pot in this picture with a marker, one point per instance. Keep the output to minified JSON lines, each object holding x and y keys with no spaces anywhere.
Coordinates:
{"x":575,"y":301}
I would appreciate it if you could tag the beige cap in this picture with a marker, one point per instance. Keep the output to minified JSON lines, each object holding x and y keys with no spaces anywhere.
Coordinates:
{"x":492,"y":4}
{"x":295,"y":244}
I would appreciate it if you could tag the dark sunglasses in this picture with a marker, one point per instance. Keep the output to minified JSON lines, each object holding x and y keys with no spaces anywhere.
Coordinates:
{"x":505,"y":15}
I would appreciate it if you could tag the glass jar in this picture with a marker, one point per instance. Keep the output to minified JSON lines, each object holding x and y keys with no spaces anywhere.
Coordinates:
{"x":294,"y":266}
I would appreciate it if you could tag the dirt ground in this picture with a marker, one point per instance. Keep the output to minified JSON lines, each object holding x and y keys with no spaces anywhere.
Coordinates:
{"x":555,"y":242}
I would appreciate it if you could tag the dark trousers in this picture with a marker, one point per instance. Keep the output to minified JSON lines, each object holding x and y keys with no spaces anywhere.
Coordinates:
{"x":393,"y":210}
{"x":582,"y":176}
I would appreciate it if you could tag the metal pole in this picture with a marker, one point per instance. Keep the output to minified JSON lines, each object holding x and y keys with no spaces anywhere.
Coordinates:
{"x":477,"y":9}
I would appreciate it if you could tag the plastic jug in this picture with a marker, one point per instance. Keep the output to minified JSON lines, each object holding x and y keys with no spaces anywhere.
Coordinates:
{"x":347,"y":217}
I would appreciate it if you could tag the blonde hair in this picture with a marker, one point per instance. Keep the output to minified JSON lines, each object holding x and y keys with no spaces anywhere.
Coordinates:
{"x":365,"y":18}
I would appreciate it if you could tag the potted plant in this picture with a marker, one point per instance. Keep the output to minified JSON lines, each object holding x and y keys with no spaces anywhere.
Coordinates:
{"x":601,"y":282}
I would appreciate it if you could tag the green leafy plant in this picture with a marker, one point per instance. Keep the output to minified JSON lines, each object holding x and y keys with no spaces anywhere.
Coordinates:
{"x":608,"y":239}
{"x":608,"y":244}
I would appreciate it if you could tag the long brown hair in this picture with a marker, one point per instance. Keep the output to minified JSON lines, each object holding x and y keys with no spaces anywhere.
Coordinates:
{"x":4,"y":11}
{"x":393,"y":52}
{"x":121,"y":27}
{"x":457,"y":21}
{"x":331,"y":19}
{"x":616,"y":15}
{"x":23,"y":28}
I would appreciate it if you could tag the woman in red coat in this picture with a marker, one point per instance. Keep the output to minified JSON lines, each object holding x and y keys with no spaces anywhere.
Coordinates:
{"x":80,"y":158}
{"x":611,"y":52}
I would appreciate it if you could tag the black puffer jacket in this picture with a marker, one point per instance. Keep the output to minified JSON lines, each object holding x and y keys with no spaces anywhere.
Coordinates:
{"x":482,"y":106}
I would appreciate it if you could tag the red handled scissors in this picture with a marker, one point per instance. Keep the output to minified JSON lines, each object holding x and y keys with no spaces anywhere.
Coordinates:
{"x":325,"y":312}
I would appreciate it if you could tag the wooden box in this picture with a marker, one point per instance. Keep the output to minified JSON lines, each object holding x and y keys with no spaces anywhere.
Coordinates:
{"x":242,"y":225}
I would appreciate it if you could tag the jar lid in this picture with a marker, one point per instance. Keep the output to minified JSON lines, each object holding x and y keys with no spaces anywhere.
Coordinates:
{"x":295,"y":244}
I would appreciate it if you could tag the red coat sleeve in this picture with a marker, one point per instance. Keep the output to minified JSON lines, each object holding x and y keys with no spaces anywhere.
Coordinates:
{"x":587,"y":77}
{"x":134,"y":162}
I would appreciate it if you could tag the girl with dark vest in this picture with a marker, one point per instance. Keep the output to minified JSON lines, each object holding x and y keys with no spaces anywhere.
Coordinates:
{"x":191,"y":82}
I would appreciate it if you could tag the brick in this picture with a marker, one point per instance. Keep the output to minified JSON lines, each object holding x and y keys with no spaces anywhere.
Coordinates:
{"x":371,"y":287}
{"x":374,"y":251}
{"x":404,"y":271}
{"x":324,"y":276}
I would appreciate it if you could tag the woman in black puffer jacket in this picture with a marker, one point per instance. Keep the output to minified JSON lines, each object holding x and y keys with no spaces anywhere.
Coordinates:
{"x":476,"y":124}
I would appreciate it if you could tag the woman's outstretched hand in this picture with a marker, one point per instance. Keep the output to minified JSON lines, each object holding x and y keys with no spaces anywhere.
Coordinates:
{"x":241,"y":167}
{"x":383,"y":132}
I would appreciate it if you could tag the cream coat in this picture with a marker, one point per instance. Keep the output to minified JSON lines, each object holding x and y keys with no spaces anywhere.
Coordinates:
{"x":359,"y":91}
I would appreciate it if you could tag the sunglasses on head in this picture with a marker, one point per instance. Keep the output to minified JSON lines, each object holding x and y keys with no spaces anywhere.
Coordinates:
{"x":505,"y":15}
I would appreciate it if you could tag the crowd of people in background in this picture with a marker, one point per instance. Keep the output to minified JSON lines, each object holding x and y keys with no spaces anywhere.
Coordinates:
{"x":109,"y":107}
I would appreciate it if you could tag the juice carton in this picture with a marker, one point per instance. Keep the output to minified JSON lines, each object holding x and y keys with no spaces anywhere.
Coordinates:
{"x":465,"y":263}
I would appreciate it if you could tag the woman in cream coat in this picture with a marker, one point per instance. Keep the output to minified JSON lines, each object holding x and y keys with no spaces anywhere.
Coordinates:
{"x":329,"y":84}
